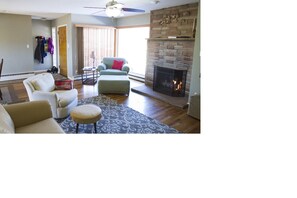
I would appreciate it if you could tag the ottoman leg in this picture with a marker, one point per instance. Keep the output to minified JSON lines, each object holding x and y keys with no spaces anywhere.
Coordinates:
{"x":95,"y":127}
{"x":77,"y":127}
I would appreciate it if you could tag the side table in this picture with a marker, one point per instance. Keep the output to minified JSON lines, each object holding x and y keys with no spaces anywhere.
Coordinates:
{"x":86,"y":80}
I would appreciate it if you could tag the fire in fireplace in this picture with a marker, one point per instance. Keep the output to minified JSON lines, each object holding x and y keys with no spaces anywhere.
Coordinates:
{"x":170,"y":81}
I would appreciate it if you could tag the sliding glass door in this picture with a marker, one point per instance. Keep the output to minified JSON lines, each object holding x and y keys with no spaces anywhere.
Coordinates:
{"x":132,"y":45}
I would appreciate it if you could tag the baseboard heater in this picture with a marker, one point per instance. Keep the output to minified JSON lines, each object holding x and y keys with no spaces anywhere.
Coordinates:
{"x":19,"y":76}
{"x":136,"y":77}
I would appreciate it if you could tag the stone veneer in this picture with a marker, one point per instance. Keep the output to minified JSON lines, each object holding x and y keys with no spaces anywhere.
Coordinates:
{"x":173,"y":53}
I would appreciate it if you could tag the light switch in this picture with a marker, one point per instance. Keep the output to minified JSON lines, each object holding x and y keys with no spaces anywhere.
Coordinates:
{"x":28,"y":45}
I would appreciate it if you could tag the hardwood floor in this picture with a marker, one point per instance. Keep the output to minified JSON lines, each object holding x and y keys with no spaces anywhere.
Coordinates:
{"x":173,"y":116}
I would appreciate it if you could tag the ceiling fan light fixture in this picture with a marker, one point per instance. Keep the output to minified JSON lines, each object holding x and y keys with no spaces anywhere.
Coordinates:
{"x":113,"y":11}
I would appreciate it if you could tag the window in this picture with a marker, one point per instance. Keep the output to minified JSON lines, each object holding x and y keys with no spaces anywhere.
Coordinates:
{"x":132,"y":45}
{"x":95,"y":43}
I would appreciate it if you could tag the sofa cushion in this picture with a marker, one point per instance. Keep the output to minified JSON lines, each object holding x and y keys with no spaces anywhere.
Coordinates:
{"x":66,"y":97}
{"x":117,"y":64}
{"x":45,"y":126}
{"x":6,"y":123}
{"x":112,"y":72}
{"x":44,"y":83}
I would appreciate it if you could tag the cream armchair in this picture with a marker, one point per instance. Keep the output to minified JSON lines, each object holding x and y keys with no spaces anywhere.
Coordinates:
{"x":28,"y":117}
{"x":42,"y":87}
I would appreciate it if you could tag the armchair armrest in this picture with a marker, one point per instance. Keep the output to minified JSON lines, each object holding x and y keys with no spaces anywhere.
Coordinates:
{"x":101,"y":66}
{"x":126,"y":68}
{"x":51,"y":97}
{"x":27,"y":113}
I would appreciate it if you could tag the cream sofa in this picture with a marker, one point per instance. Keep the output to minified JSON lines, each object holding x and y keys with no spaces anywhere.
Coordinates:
{"x":28,"y":117}
{"x":42,"y":87}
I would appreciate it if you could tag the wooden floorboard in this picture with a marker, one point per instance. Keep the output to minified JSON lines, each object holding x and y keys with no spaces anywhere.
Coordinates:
{"x":175,"y":117}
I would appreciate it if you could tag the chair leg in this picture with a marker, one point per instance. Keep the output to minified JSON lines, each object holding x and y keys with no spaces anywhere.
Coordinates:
{"x":77,"y":127}
{"x":95,"y":127}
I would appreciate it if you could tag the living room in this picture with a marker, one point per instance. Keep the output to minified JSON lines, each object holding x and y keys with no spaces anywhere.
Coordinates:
{"x":20,"y":38}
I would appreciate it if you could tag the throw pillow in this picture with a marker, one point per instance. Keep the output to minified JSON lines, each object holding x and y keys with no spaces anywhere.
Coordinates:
{"x":43,"y":83}
{"x":117,"y":64}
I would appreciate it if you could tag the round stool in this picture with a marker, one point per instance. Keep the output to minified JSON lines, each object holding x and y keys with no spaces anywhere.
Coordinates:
{"x":86,"y":114}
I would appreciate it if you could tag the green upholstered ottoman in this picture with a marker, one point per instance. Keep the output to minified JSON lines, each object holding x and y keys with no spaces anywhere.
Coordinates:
{"x":118,"y":84}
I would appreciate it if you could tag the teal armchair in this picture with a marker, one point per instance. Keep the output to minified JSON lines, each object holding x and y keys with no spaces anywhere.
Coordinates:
{"x":105,"y":67}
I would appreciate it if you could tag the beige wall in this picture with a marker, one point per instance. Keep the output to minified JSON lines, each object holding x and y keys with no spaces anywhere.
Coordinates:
{"x":16,"y":45}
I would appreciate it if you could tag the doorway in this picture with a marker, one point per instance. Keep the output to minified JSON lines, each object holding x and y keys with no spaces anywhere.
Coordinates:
{"x":62,"y":36}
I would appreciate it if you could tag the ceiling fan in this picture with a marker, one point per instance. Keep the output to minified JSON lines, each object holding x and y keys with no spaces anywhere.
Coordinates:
{"x":115,"y":9}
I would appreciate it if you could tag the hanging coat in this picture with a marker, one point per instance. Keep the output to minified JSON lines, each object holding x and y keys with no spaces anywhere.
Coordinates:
{"x":39,"y":50}
{"x":50,"y":45}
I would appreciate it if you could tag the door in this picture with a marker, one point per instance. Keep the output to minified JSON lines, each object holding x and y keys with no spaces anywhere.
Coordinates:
{"x":63,"y":50}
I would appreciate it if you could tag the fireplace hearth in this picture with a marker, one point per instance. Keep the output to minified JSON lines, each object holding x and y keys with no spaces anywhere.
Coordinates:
{"x":170,"y":81}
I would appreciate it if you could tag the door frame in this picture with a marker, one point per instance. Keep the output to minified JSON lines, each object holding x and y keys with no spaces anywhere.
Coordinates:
{"x":58,"y":47}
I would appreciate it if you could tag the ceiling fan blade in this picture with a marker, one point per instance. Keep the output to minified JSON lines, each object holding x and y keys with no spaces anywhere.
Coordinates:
{"x":95,"y":7}
{"x":132,"y":10}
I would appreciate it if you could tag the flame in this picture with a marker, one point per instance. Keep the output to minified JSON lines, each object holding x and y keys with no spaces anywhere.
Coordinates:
{"x":178,"y":87}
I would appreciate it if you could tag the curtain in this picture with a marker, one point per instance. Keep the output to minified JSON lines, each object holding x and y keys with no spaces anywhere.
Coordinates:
{"x":93,"y":44}
{"x":98,"y":43}
{"x":80,"y":50}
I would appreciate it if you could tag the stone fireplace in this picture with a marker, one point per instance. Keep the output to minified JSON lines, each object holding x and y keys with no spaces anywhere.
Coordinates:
{"x":171,"y":44}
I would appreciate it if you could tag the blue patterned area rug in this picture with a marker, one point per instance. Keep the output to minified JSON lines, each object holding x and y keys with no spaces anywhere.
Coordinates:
{"x":116,"y":118}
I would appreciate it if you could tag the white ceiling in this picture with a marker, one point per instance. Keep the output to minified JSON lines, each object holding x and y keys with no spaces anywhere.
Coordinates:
{"x":52,"y":9}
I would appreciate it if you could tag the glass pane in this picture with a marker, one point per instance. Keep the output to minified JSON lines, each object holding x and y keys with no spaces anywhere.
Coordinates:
{"x":132,"y":45}
{"x":54,"y":42}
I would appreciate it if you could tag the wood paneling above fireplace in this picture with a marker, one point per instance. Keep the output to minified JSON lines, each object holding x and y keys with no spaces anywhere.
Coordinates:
{"x":179,"y":21}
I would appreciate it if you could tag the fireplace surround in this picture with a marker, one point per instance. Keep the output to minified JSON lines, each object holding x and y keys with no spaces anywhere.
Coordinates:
{"x":170,"y":81}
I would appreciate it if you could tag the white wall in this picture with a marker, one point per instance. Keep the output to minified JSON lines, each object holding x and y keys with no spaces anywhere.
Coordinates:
{"x":138,"y":20}
{"x":16,"y":43}
{"x":195,"y":80}
{"x":41,"y":28}
{"x":92,"y":20}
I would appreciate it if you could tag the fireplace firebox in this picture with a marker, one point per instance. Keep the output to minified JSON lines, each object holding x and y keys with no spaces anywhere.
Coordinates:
{"x":170,"y":81}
